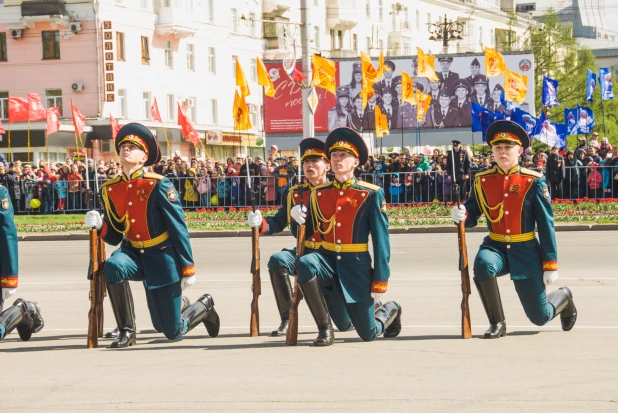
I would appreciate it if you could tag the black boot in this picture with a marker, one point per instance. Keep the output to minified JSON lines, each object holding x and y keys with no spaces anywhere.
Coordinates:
{"x":319,"y":311}
{"x":121,"y":299}
{"x":283,"y":295}
{"x":18,"y":316}
{"x":562,"y":300}
{"x":37,"y":318}
{"x":390,"y":317}
{"x":203,"y":310}
{"x":490,"y":297}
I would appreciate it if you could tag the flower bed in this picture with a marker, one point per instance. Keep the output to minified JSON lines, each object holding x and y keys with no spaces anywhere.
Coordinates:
{"x":582,"y":211}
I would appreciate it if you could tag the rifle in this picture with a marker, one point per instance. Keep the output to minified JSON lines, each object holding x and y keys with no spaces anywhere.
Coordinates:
{"x":97,"y":289}
{"x":466,"y":325}
{"x":256,"y":287}
{"x":291,"y":336}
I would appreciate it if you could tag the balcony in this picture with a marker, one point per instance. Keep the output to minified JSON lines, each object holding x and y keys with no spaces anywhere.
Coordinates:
{"x":342,"y":14}
{"x":50,"y":11}
{"x":276,"y":8}
{"x":175,"y":21}
{"x":343,"y":53}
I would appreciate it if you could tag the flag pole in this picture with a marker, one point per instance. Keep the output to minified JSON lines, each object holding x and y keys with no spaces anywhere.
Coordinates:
{"x":28,"y":138}
{"x":47,"y":146}
{"x":264,"y":121}
{"x":9,"y":143}
{"x":603,"y":114}
{"x":76,"y":143}
{"x":169,"y":149}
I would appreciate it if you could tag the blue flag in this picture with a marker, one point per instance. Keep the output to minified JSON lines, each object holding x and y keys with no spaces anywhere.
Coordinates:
{"x":481,"y":118}
{"x":508,"y":105}
{"x":525,"y":120}
{"x":550,"y":92}
{"x":605,"y":77}
{"x":591,"y":83}
{"x":585,"y":120}
{"x":570,"y":121}
{"x":550,"y":133}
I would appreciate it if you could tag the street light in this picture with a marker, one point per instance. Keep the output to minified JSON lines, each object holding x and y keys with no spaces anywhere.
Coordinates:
{"x":445,"y":31}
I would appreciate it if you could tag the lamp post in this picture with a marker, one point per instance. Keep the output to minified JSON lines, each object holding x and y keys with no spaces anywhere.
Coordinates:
{"x":445,"y":31}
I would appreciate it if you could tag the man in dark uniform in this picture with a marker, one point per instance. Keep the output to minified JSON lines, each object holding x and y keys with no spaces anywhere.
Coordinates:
{"x":461,"y":103}
{"x":282,"y":264}
{"x":357,"y":115}
{"x":369,"y":114}
{"x":447,"y":78}
{"x":254,"y":172}
{"x":388,"y":82}
{"x":444,"y":115}
{"x":514,"y":201}
{"x":495,"y":103}
{"x":556,"y":173}
{"x":462,"y":167}
{"x":346,"y":211}
{"x":25,"y":316}
{"x":144,"y":215}
{"x":480,"y":94}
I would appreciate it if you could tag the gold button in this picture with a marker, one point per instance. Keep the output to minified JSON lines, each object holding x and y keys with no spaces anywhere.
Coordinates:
{"x":339,"y":208}
{"x":508,"y":247}
{"x":338,"y":224}
{"x":130,"y":186}
{"x":319,"y":194}
{"x":132,"y":220}
{"x":341,"y":193}
{"x":142,"y":251}
{"x":483,"y":179}
{"x":507,"y":238}
{"x":508,"y":231}
{"x":364,"y":194}
{"x":151,"y":183}
{"x":338,"y":257}
{"x":529,"y":180}
{"x":338,"y":241}
{"x":130,"y":203}
{"x":506,"y":178}
{"x":296,"y":195}
{"x":109,"y":189}
{"x":338,"y":248}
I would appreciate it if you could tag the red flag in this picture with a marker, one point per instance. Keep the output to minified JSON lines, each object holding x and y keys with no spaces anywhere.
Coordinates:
{"x":115,"y":126}
{"x":53,"y":125}
{"x":2,"y":131}
{"x":154,"y":111}
{"x":298,"y":76}
{"x":36,"y":109}
{"x":188,"y":131}
{"x":18,"y":110}
{"x":79,"y":120}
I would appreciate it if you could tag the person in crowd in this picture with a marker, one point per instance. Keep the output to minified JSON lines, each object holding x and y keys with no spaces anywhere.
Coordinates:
{"x":14,"y":185}
{"x":583,"y":175}
{"x":571,"y":179}
{"x":191,"y":196}
{"x":581,"y":147}
{"x":203,"y":187}
{"x":74,"y":182}
{"x":60,"y":188}
{"x":396,"y":189}
{"x":556,"y":173}
{"x":595,"y":181}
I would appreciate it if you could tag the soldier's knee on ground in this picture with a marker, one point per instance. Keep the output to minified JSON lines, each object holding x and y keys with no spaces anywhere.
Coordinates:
{"x":172,"y":333}
{"x":366,"y":335}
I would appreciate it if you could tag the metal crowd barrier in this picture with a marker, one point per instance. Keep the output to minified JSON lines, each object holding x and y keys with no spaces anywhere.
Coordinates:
{"x":233,"y":191}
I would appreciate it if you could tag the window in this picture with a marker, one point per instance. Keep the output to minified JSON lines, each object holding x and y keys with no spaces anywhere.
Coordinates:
{"x":368,"y":8}
{"x":53,"y":99}
{"x":381,"y":10}
{"x":406,"y":48}
{"x":3,"y":56}
{"x":253,"y":70}
{"x":51,"y":44}
{"x":147,"y":105}
{"x":171,"y":107}
{"x":481,"y":35}
{"x":368,"y":41}
{"x":145,"y":51}
{"x":234,"y":15}
{"x":169,"y":54}
{"x":211,"y":11}
{"x":234,"y":57}
{"x":354,"y":42}
{"x":332,"y":39}
{"x":191,"y":109}
{"x":4,"y":105}
{"x":492,"y":37}
{"x":214,"y":116}
{"x":253,"y":23}
{"x":339,"y":39}
{"x":120,"y":46}
{"x":122,"y":103}
{"x":190,"y":57}
{"x":316,"y":42}
{"x":418,"y":20}
{"x":212,"y":61}
{"x":253,"y":112}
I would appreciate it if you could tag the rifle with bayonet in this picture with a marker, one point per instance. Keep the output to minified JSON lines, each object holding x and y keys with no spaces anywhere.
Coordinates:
{"x":256,"y":286}
{"x":97,"y":287}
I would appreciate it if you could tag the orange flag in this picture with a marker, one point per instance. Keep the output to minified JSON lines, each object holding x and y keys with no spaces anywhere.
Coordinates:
{"x":515,"y":87}
{"x":494,"y":62}
{"x":381,"y":123}
{"x":381,"y":66}
{"x":263,"y":79}
{"x":370,"y":77}
{"x":324,"y":73}
{"x":426,"y":65}
{"x":242,"y":121}
{"x":241,"y":81}
{"x":407,"y":89}
{"x":422,"y":105}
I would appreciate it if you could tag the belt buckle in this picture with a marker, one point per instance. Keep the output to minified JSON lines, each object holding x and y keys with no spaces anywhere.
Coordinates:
{"x":338,"y":248}
{"x":138,"y":244}
{"x":507,"y":238}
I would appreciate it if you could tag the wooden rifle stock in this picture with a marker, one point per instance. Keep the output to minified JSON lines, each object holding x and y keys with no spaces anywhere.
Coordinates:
{"x":97,"y":289}
{"x":256,"y":287}
{"x":466,"y":325}
{"x":291,"y":337}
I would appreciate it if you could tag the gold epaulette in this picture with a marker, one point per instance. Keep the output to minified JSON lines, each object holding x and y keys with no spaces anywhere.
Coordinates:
{"x":368,"y":185}
{"x":112,"y":181}
{"x":526,"y":171}
{"x":152,"y":175}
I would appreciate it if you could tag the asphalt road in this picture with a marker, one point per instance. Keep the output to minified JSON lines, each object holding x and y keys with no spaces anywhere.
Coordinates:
{"x":427,"y":369}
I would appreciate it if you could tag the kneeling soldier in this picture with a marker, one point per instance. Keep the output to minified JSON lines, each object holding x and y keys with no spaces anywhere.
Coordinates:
{"x":514,"y":201}
{"x":143,"y":212}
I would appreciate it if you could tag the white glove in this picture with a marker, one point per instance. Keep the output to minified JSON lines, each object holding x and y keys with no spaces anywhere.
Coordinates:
{"x":7,"y":292}
{"x":254,"y":219}
{"x":550,"y":277}
{"x":458,"y":213}
{"x":376,"y":296}
{"x":187,"y":282}
{"x":93,"y":220}
{"x":299,"y":213}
